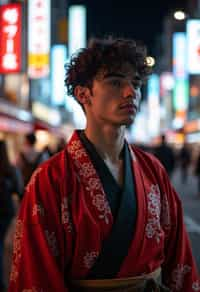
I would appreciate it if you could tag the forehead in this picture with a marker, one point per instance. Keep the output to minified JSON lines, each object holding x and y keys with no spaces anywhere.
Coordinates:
{"x":126,"y":70}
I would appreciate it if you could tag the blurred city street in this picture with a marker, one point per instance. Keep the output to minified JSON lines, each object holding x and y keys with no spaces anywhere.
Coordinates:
{"x":191,"y":205}
{"x":86,"y":78}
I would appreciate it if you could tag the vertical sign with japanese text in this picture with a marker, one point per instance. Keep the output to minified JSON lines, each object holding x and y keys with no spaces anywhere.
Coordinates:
{"x":153,"y":103}
{"x":77,"y":28}
{"x":38,"y":38}
{"x":58,"y":59}
{"x":10,"y":38}
{"x":180,"y":73}
{"x":193,"y":46}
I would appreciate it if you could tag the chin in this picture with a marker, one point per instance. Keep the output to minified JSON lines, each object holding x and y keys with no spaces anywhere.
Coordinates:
{"x":128,"y":122}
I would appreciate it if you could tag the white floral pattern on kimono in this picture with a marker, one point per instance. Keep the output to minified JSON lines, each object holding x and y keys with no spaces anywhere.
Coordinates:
{"x":87,"y":170}
{"x":153,"y":227}
{"x":100,"y":202}
{"x":75,"y":145}
{"x":178,"y":275}
{"x":66,"y":218}
{"x":87,"y":173}
{"x":17,"y":249}
{"x":165,"y":213}
{"x":196,"y":286}
{"x":94,"y":184}
{"x":80,"y":153}
{"x":38,"y":209}
{"x":89,"y":259}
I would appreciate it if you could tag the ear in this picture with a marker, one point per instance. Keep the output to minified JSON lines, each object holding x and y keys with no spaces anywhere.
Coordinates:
{"x":82,"y":94}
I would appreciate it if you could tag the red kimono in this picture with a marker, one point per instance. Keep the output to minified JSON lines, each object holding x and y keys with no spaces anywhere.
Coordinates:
{"x":65,"y":216}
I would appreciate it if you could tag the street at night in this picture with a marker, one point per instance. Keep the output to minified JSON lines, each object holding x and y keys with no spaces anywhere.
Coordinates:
{"x":191,"y":205}
{"x":88,"y":89}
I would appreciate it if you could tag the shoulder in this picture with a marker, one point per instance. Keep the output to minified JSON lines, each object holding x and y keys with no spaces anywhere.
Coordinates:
{"x":152,"y":169}
{"x":46,"y":187}
{"x":149,"y":165}
{"x":54,"y":173}
{"x":146,"y":157}
{"x":53,"y":169}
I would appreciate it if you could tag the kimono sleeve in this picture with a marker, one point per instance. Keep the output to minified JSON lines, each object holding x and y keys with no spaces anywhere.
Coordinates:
{"x":179,"y":268}
{"x":38,"y":252}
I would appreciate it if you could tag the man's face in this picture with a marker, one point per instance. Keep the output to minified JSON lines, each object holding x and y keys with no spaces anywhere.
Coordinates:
{"x":115,"y":97}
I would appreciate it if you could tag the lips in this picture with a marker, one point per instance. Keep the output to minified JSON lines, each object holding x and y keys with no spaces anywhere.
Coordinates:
{"x":128,"y":105}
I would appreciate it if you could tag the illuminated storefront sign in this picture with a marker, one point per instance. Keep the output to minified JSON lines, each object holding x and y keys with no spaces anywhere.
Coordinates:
{"x":10,"y":38}
{"x":192,"y":126}
{"x":179,"y":55}
{"x":166,"y":83}
{"x":58,"y":59}
{"x":193,"y":46}
{"x":77,"y":40}
{"x":38,"y":38}
{"x":14,"y":125}
{"x":166,"y":91}
{"x":181,"y":83}
{"x":44,"y":113}
{"x":180,"y":100}
{"x":194,"y":97}
{"x":153,"y":105}
{"x":77,"y":28}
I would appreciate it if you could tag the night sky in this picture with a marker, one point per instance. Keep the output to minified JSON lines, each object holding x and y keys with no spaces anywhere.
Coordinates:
{"x":140,"y":19}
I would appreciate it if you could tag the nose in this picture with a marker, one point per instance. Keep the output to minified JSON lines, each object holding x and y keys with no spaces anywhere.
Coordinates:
{"x":128,"y":90}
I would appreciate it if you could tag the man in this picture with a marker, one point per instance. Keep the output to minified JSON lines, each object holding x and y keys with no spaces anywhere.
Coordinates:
{"x":184,"y":157}
{"x":166,"y":155}
{"x":30,"y":158}
{"x":197,"y":173}
{"x":101,"y":215}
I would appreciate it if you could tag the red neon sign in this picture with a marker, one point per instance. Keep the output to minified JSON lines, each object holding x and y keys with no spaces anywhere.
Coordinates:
{"x":10,"y":38}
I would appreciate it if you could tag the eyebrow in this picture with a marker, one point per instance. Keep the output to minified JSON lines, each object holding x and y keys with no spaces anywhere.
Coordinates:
{"x":120,"y":75}
{"x":114,"y":75}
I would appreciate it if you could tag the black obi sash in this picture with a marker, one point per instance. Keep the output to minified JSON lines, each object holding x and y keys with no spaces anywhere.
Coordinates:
{"x":123,"y":204}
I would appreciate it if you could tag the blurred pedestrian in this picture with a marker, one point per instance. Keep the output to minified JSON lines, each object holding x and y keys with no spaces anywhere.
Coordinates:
{"x":61,"y":144}
{"x":101,"y":215}
{"x":197,"y":173}
{"x":165,"y":154}
{"x":184,"y":157}
{"x":29,"y":158}
{"x":10,"y":183}
{"x":47,"y":152}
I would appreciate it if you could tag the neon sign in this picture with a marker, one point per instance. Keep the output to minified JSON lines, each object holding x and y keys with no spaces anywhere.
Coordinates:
{"x":10,"y":38}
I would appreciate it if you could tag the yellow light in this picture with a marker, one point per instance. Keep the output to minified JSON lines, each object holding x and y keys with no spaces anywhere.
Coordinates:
{"x":179,"y":15}
{"x":150,"y":61}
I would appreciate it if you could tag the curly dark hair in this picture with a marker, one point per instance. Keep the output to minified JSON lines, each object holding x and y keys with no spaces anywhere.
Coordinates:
{"x":104,"y":55}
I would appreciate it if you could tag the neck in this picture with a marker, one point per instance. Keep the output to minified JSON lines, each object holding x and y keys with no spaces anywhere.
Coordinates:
{"x":108,"y":141}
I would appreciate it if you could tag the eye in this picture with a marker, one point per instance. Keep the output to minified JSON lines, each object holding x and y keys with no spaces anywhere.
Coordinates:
{"x":136,"y":84}
{"x":116,"y":82}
